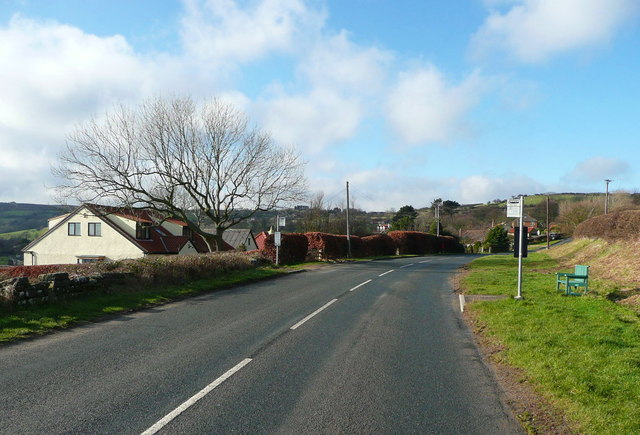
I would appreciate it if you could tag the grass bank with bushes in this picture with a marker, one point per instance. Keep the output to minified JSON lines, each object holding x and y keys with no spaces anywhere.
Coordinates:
{"x":581,"y":353}
{"x":156,"y":280}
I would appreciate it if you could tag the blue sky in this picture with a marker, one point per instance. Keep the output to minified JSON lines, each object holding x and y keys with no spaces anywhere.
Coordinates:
{"x":469,"y":100}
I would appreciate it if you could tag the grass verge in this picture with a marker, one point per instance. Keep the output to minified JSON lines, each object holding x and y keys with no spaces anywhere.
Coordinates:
{"x":34,"y":320}
{"x":581,"y":353}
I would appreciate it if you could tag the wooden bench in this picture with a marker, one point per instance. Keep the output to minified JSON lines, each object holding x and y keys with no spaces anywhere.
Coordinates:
{"x":578,"y":279}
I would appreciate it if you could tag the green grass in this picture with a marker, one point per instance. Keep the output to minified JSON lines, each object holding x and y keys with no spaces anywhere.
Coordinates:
{"x":582,"y":353}
{"x":39,"y":319}
{"x":31,"y":234}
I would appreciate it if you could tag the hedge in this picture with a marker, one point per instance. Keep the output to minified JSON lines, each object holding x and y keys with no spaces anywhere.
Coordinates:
{"x":323,"y":246}
{"x":415,"y":242}
{"x":293,"y":248}
{"x":377,"y":245}
{"x":450,"y":244}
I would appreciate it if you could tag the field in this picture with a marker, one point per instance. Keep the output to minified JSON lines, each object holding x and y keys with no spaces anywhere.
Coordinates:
{"x":582,"y":354}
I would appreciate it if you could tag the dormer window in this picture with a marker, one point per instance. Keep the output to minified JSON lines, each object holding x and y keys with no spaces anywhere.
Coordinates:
{"x":186,"y":232}
{"x":143,"y":231}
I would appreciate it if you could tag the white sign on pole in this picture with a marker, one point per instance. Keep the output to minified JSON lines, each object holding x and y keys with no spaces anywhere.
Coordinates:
{"x":282,"y":221}
{"x":277,"y":238}
{"x":513,"y":207}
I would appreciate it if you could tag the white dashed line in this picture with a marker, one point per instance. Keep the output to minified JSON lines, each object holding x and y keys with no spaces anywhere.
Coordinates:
{"x":297,"y":325}
{"x":199,"y":395}
{"x":406,"y":265}
{"x":388,"y":271}
{"x":360,"y":285}
{"x":425,"y":261}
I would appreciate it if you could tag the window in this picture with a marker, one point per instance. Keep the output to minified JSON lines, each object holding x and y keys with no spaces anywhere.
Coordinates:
{"x":74,"y":229}
{"x":142,"y":231}
{"x":95,"y":229}
{"x":186,"y":232}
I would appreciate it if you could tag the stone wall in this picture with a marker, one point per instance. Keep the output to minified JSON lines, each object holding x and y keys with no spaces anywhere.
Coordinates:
{"x":55,"y":286}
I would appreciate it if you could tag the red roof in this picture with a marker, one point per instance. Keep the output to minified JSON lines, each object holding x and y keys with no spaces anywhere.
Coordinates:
{"x":161,"y":240}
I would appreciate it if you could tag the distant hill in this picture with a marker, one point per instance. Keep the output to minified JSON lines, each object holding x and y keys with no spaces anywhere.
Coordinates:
{"x":18,"y":217}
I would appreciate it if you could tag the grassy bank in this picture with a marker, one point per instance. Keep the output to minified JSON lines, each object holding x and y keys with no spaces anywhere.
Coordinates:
{"x":581,"y":353}
{"x":39,"y":319}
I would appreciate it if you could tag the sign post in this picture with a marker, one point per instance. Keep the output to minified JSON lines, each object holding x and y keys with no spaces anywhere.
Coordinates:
{"x":515,"y":208}
{"x":277,"y":236}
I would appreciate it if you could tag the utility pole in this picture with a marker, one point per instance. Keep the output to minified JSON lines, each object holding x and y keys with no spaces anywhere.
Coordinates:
{"x":548,"y":226}
{"x":438,"y":218}
{"x":348,"y":233}
{"x":606,"y":196}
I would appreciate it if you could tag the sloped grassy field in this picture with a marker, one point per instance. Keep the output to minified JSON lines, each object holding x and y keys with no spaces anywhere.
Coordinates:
{"x":581,"y":353}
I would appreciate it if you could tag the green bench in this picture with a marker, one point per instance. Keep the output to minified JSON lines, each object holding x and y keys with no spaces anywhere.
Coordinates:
{"x":573,"y":281}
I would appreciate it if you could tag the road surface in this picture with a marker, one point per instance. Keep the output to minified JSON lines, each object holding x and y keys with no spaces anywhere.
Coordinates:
{"x":373,"y":347}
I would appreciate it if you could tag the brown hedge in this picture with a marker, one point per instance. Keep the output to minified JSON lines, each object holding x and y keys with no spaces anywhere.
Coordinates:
{"x":448,"y":244}
{"x":378,"y":245}
{"x":293,"y":249}
{"x":620,"y":225}
{"x":414,"y":242}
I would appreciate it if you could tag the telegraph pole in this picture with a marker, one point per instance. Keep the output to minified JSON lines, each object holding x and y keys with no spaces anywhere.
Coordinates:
{"x":348,"y":233}
{"x":438,"y":218}
{"x":606,"y":196}
{"x":548,"y":226}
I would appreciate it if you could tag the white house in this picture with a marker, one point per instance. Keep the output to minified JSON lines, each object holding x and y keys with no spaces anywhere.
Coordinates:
{"x":95,"y":233}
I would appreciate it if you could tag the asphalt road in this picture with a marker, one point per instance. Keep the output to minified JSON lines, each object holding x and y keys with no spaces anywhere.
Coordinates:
{"x":375,"y":347}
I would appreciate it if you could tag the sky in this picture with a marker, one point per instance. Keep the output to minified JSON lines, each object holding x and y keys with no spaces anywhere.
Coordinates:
{"x":407,"y":100}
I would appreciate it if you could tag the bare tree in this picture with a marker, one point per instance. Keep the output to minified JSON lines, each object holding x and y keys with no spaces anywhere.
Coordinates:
{"x":184,"y":160}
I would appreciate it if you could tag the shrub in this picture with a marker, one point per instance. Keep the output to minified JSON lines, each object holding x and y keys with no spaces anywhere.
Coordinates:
{"x":414,"y":242}
{"x":497,"y":239}
{"x":621,"y":225}
{"x":293,"y":248}
{"x":377,"y":245}
{"x":451,"y":245}
{"x":155,"y":269}
{"x":325,"y":246}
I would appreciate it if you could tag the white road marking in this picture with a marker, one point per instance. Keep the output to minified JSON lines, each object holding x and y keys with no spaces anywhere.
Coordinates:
{"x":462,"y":303}
{"x":297,"y":325}
{"x":388,"y":271}
{"x":360,"y":285}
{"x":406,"y":265}
{"x":426,"y":261}
{"x":199,"y":395}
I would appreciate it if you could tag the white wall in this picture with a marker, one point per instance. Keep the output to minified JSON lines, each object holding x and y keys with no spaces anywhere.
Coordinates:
{"x":60,"y":248}
{"x":54,"y":220}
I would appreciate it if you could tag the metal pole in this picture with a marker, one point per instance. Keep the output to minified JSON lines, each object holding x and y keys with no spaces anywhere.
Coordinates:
{"x":520,"y":249}
{"x":348,"y":234}
{"x":277,"y":246}
{"x":438,"y":219}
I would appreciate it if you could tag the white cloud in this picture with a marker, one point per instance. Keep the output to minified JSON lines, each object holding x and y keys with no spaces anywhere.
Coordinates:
{"x":480,"y":188}
{"x":596,"y":169}
{"x":221,"y":32}
{"x":312,"y":121}
{"x":423,"y":107}
{"x":532,"y":31}
{"x":342,"y":78}
{"x":338,"y":63}
{"x":381,"y":189}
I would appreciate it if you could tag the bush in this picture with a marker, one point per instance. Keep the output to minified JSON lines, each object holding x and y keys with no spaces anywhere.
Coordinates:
{"x":378,"y":245}
{"x":497,"y":239}
{"x":293,"y":248}
{"x":415,"y":242}
{"x":621,"y":225}
{"x":323,"y":246}
{"x":449,"y":244}
{"x":152,"y":269}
